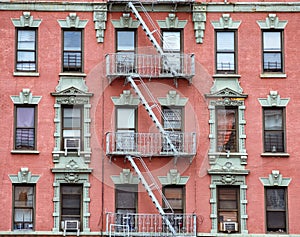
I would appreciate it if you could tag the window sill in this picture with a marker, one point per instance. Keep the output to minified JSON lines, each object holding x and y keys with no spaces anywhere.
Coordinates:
{"x":272,"y":154}
{"x":273,"y":75}
{"x":25,"y":152}
{"x":26,"y":74}
{"x":79,"y":74}
{"x":226,"y":76}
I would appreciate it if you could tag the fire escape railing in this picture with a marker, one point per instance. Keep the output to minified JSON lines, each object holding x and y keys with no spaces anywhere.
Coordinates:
{"x":148,"y":65}
{"x":150,"y":144}
{"x":150,"y":224}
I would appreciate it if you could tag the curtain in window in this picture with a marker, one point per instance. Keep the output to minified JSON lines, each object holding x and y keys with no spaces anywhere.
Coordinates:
{"x":25,"y":128}
{"x":225,"y":127}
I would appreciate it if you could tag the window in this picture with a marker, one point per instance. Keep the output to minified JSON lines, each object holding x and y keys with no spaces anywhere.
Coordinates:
{"x":126,"y":129}
{"x":126,"y":45}
{"x":175,"y":195}
{"x":71,"y":202}
{"x":227,"y":137}
{"x":226,"y":52}
{"x":272,"y":51}
{"x":26,"y":55}
{"x":25,"y":128}
{"x":173,"y":125}
{"x":23,"y":204}
{"x":72,"y":51}
{"x":228,"y":208}
{"x":72,"y":127}
{"x":274,"y":131}
{"x":126,"y":204}
{"x":172,"y":47}
{"x":276,"y":208}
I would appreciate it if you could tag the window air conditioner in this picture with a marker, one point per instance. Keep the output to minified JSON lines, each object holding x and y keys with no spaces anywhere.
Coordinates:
{"x":229,"y":226}
{"x":71,"y":225}
{"x":72,"y":144}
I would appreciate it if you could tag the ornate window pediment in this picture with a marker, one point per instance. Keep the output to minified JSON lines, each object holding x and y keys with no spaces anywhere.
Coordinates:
{"x":275,"y":179}
{"x":172,"y":99}
{"x":26,"y":20}
{"x":24,"y":176}
{"x":173,"y":177}
{"x":226,"y":22}
{"x":125,"y":177}
{"x":272,"y":22}
{"x":72,"y":21}
{"x":125,"y":21}
{"x":172,"y":21}
{"x":126,"y":98}
{"x":273,"y":99}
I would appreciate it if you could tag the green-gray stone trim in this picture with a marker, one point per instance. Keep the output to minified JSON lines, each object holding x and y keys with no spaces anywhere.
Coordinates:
{"x":226,"y":22}
{"x":125,"y":177}
{"x":272,"y":22}
{"x":25,"y":97}
{"x":273,"y":100}
{"x":125,"y":99}
{"x":72,"y":21}
{"x":172,"y":99}
{"x":125,"y":22}
{"x":227,"y":92}
{"x":171,"y":22}
{"x":71,"y":173}
{"x":173,"y":177}
{"x":218,"y":180}
{"x":72,"y":90}
{"x":275,"y":179}
{"x":24,"y":176}
{"x":26,"y":20}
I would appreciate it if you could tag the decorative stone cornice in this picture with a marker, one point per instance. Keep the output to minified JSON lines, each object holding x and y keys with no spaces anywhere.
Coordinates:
{"x":273,"y":100}
{"x":72,"y":21}
{"x":125,"y":177}
{"x":126,"y":98}
{"x":26,"y":20}
{"x":199,"y":19}
{"x":24,"y":176}
{"x":275,"y":179}
{"x":125,"y":21}
{"x":172,"y":99}
{"x":171,"y":22}
{"x":173,"y":177}
{"x":26,"y":97}
{"x":272,"y":22}
{"x":100,"y":18}
{"x":226,"y":22}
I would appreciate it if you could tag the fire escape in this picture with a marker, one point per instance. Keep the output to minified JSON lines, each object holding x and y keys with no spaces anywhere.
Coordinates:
{"x":139,"y":145}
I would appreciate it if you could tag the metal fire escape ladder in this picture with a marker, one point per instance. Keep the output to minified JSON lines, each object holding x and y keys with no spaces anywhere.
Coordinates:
{"x":149,"y":110}
{"x":150,"y":34}
{"x":149,"y":188}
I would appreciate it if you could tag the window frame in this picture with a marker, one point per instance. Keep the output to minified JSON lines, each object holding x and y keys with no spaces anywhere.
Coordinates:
{"x":34,"y":147}
{"x":278,"y":51}
{"x":20,"y":50}
{"x":24,"y":223}
{"x":235,"y":129}
{"x":75,"y":68}
{"x":226,"y":51}
{"x":64,"y":128}
{"x":224,"y":210}
{"x":129,"y":63}
{"x":268,"y":210}
{"x":282,"y":130}
{"x":182,"y":194}
{"x":64,"y":216}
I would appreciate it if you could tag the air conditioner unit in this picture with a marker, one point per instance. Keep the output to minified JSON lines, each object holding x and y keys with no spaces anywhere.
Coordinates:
{"x":229,"y":226}
{"x":71,"y":225}
{"x":72,"y":144}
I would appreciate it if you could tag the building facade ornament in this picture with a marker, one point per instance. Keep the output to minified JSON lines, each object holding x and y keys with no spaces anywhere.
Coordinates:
{"x":26,"y":97}
{"x":226,"y":22}
{"x":126,"y":98}
{"x":173,"y":177}
{"x":275,"y":179}
{"x":125,"y":21}
{"x":125,"y":177}
{"x":100,"y":18}
{"x":272,"y":22}
{"x":172,"y":99}
{"x":273,"y":100}
{"x":199,"y":19}
{"x":26,"y":20}
{"x":24,"y":176}
{"x":72,"y":21}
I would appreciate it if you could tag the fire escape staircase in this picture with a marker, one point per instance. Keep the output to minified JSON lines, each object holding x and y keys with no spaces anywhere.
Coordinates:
{"x":133,"y":80}
{"x":150,"y":36}
{"x":149,"y":188}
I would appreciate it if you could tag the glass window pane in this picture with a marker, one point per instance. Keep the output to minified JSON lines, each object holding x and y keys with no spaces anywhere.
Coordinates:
{"x":72,"y":40}
{"x":126,"y":118}
{"x":25,"y":117}
{"x":171,"y":41}
{"x":276,"y":220}
{"x":23,"y":196}
{"x":276,"y":199}
{"x":272,"y":41}
{"x":225,"y":61}
{"x":225,"y":41}
{"x":26,"y":40}
{"x":26,"y":56}
{"x":125,"y":40}
{"x":272,"y":60}
{"x":273,"y":119}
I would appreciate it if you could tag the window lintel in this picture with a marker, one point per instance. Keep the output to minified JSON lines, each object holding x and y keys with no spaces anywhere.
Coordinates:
{"x":173,"y":177}
{"x":226,"y":22}
{"x":273,"y":100}
{"x":25,"y":97}
{"x":72,"y":21}
{"x":171,"y":22}
{"x":26,"y":20}
{"x":24,"y":176}
{"x":275,"y":179}
{"x":272,"y":22}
